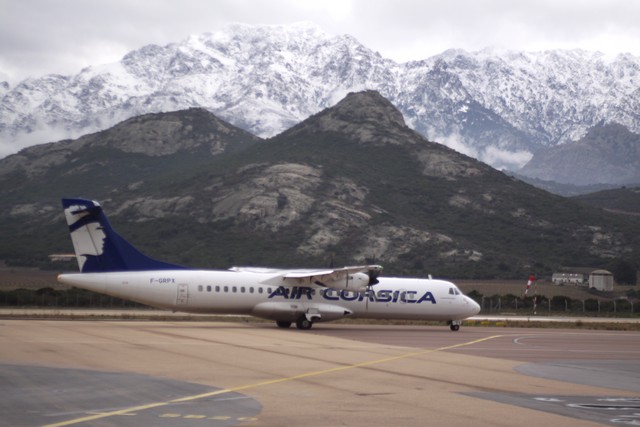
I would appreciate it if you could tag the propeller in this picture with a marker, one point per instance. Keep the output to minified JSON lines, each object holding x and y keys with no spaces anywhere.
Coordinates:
{"x":373,"y":280}
{"x":373,"y":277}
{"x":373,"y":274}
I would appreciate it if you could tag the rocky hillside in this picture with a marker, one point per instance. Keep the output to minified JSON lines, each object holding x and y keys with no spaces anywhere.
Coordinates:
{"x":608,"y":154}
{"x":350,"y":183}
{"x":156,"y":147}
{"x":623,"y":201}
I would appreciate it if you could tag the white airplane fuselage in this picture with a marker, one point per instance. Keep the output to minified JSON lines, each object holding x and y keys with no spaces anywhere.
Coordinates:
{"x":231,"y":292}
{"x":110,"y":265}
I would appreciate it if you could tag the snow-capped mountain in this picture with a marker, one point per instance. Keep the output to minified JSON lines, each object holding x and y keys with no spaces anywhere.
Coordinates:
{"x":500,"y":107}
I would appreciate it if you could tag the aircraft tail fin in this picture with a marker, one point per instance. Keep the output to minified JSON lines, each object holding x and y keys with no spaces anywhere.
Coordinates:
{"x":98,"y":247}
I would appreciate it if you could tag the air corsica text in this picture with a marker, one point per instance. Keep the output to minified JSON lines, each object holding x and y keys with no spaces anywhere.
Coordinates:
{"x":300,"y":292}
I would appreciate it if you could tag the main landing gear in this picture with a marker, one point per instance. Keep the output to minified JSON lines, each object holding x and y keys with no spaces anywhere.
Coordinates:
{"x":302,"y":323}
{"x":454,"y":325}
{"x":283,"y":324}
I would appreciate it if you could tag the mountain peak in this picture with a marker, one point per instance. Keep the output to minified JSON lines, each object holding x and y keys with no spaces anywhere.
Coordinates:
{"x":368,"y":107}
{"x":194,"y":131}
{"x":361,"y":115}
{"x":500,"y":107}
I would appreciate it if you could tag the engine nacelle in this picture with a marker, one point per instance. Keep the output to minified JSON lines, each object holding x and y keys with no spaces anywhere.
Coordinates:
{"x":351,"y":282}
{"x":316,"y":312}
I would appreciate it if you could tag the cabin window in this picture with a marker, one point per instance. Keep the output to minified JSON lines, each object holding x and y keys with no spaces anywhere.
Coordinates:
{"x":259,"y":290}
{"x":208,"y":288}
{"x":217,"y":288}
{"x":235,"y":289}
{"x":199,"y":288}
{"x":251,"y":290}
{"x":226,"y":289}
{"x":242,"y":289}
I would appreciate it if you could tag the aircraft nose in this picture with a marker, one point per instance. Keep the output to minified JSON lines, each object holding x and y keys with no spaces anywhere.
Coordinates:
{"x":474,"y":307}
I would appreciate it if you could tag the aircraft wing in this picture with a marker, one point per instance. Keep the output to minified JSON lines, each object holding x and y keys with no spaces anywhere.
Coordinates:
{"x":319,"y":277}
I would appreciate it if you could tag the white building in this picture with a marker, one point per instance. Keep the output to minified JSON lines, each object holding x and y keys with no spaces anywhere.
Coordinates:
{"x":601,"y":280}
{"x":576,"y":279}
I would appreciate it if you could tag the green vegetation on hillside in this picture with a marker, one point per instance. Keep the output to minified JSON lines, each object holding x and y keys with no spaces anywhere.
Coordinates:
{"x":468,"y":220}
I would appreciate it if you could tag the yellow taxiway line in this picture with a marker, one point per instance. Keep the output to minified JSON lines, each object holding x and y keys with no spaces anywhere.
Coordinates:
{"x":264,"y":383}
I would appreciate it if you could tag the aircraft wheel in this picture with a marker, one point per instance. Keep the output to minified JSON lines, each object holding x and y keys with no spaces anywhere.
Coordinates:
{"x":303,"y":323}
{"x":283,"y":324}
{"x":454,"y":327}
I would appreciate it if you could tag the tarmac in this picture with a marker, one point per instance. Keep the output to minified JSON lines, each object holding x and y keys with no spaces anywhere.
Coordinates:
{"x":207,"y":373}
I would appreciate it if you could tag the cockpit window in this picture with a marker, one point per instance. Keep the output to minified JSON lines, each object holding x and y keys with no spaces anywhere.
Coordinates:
{"x":454,"y":291}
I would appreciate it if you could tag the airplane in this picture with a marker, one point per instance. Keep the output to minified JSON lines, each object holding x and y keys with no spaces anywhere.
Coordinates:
{"x":110,"y":265}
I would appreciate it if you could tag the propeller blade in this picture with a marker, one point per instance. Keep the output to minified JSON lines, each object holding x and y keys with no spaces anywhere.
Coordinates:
{"x":373,"y":277}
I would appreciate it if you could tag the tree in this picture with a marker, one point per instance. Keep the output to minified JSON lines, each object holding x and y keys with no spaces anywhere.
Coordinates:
{"x":624,"y":272}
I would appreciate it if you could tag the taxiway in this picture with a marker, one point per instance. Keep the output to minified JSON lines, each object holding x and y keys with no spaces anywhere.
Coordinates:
{"x":60,"y":373}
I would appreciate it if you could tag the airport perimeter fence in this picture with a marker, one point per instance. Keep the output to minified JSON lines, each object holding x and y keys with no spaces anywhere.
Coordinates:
{"x":80,"y":298}
{"x":558,"y":304}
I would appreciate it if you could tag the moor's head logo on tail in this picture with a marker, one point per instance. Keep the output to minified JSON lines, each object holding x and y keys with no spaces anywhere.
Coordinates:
{"x":87,"y":234}
{"x":98,"y":247}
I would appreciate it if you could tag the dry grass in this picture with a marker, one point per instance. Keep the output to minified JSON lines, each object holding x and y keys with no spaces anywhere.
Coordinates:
{"x":28,"y":278}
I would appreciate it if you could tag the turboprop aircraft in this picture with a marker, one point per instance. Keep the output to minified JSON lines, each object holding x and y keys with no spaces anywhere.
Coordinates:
{"x":111,"y":265}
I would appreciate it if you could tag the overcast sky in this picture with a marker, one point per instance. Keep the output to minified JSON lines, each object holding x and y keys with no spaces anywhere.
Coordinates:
{"x":39,"y":37}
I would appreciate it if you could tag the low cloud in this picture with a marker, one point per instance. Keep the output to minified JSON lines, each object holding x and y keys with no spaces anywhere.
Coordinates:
{"x":499,"y":158}
{"x":43,"y":136}
{"x":456,"y":142}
